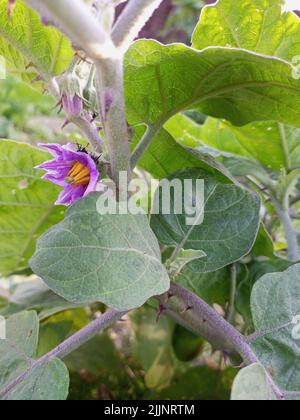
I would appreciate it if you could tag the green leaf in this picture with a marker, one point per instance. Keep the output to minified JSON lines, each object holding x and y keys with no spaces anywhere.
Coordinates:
{"x":165,"y":156}
{"x":251,"y":384}
{"x":234,"y":84}
{"x":256,"y":25}
{"x":264,"y":245}
{"x":35,"y":295}
{"x":112,"y":258}
{"x":248,"y":275}
{"x":212,"y":287}
{"x":274,"y":146}
{"x":26,"y":204}
{"x":275,"y":309}
{"x":184,"y":257}
{"x":25,"y":41}
{"x":48,"y":381}
{"x":229,"y":229}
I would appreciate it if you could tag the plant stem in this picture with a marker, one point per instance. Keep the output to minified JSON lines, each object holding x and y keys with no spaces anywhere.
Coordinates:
{"x":193,"y":313}
{"x":110,"y":95}
{"x":285,"y":148}
{"x":90,"y":130}
{"x":290,"y":233}
{"x":68,"y":346}
{"x":233,"y":284}
{"x":132,"y":20}
{"x":77,"y":22}
{"x":143,"y":144}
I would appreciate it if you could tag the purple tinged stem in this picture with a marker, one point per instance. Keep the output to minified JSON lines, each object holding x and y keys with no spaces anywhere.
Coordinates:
{"x":68,"y":346}
{"x":203,"y":320}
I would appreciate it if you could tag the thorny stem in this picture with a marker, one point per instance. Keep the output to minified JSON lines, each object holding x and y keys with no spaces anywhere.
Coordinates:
{"x":132,"y":20}
{"x":68,"y":346}
{"x":193,"y":313}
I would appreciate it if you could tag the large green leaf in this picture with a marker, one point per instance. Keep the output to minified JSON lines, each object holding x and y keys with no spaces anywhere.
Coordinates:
{"x":24,"y":40}
{"x":273,"y":145}
{"x":229,"y":229}
{"x":248,"y":275}
{"x":26,"y":204}
{"x":235,"y":84}
{"x":251,"y":384}
{"x":48,"y":381}
{"x":276,"y":310}
{"x":256,"y":25}
{"x":165,"y":156}
{"x":112,"y":258}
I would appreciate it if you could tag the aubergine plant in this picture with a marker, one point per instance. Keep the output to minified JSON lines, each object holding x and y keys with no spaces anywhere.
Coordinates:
{"x":233,"y":279}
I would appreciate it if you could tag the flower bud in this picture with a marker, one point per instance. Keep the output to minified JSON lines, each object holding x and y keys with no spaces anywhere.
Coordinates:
{"x":10,"y":7}
{"x":71,"y":94}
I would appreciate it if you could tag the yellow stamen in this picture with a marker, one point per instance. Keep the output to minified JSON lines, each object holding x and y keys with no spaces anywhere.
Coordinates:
{"x":78,"y":175}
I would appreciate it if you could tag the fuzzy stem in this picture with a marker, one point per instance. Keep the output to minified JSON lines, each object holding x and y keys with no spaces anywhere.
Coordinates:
{"x":193,"y":313}
{"x":68,"y":346}
{"x":90,"y":130}
{"x":290,"y":232}
{"x":110,"y":96}
{"x":77,"y":22}
{"x":132,"y":20}
{"x":143,"y":145}
{"x":233,"y":284}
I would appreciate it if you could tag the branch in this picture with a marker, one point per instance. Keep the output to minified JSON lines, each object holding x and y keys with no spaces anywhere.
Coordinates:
{"x":189,"y":310}
{"x":77,"y":22}
{"x":68,"y":346}
{"x":90,"y":130}
{"x":132,"y":20}
{"x":283,"y":213}
{"x":111,"y":102}
{"x":143,"y":145}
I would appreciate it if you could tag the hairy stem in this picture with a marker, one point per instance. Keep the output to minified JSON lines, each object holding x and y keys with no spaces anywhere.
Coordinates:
{"x":290,"y":233}
{"x":190,"y":311}
{"x":68,"y":346}
{"x":132,"y":20}
{"x":90,"y":130}
{"x":143,"y":145}
{"x":110,"y":95}
{"x":77,"y":22}
{"x":233,"y":285}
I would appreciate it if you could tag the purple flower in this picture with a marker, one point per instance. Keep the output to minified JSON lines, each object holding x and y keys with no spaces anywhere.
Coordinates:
{"x":72,"y":105}
{"x":75,"y":171}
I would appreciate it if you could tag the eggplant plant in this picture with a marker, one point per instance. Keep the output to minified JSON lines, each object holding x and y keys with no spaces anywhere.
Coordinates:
{"x":201,"y":279}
